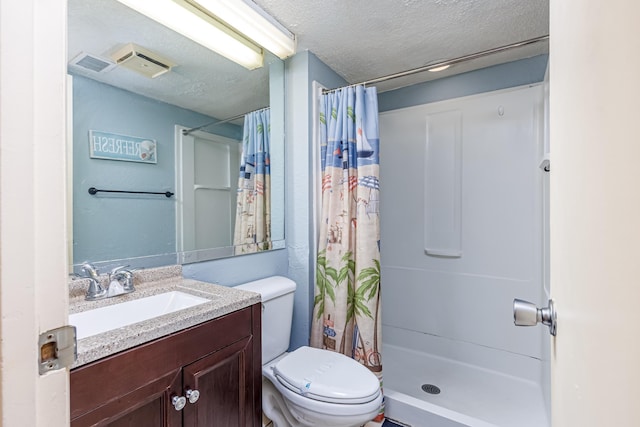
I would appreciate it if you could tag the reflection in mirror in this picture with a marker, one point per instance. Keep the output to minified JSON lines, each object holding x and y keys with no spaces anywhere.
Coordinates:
{"x":206,"y":168}
{"x":119,"y":114}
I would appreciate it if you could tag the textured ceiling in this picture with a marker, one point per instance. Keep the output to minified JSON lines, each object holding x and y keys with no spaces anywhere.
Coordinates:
{"x":365,"y":39}
{"x":359,"y":39}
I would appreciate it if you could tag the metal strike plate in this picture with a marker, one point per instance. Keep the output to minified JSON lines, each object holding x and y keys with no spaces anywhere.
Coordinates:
{"x":58,"y":349}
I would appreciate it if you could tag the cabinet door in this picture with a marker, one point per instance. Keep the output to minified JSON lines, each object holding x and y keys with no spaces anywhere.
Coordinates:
{"x":226,"y":381}
{"x":146,"y":406}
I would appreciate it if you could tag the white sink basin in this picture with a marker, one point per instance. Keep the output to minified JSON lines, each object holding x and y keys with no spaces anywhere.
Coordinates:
{"x":93,"y":322}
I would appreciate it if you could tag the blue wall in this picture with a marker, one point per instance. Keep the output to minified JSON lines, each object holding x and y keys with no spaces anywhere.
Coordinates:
{"x":511,"y":74}
{"x":301,"y":71}
{"x":115,"y":227}
{"x":239,"y":269}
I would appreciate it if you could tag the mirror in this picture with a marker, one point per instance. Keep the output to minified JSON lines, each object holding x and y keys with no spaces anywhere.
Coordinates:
{"x":127,"y":136}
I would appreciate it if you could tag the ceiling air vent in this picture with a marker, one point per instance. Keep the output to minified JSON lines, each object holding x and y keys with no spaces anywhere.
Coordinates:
{"x":86,"y":61}
{"x":142,"y":60}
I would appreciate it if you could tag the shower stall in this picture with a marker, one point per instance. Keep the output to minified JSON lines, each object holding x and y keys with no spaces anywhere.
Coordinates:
{"x":464,"y":231}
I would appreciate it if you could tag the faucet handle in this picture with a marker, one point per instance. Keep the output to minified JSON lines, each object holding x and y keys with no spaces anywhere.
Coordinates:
{"x":90,"y":270}
{"x":118,"y":268}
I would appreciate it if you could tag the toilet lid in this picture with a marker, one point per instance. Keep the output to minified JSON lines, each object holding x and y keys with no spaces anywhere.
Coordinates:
{"x":326,"y":376}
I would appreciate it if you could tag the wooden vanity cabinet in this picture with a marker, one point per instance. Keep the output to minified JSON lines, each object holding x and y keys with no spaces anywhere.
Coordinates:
{"x":221,"y":359}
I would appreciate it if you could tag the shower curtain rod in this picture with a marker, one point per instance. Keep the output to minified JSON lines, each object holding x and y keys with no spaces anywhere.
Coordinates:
{"x":445,"y":63}
{"x":186,"y":132}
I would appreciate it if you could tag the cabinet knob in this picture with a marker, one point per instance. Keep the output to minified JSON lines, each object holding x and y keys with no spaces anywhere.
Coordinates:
{"x":192,"y":395}
{"x":179,"y":402}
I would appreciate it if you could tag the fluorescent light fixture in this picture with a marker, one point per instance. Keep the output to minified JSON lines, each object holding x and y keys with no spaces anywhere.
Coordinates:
{"x":440,"y":68}
{"x":247,"y":18}
{"x":185,"y":18}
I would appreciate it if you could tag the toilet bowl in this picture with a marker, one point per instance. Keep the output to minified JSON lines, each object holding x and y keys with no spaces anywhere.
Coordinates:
{"x":323,"y":388}
{"x":308,"y":386}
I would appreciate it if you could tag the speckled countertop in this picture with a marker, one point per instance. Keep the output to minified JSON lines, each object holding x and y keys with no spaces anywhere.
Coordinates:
{"x":150,"y":282}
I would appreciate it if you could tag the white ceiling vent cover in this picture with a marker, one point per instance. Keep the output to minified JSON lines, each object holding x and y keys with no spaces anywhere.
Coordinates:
{"x":86,"y":61}
{"x":142,"y":60}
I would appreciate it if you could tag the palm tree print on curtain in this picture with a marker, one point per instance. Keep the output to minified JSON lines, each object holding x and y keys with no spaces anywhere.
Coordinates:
{"x":346,"y":314}
{"x":253,"y":210}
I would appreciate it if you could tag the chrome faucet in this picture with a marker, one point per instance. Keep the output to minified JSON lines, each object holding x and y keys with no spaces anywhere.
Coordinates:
{"x":124,"y":280}
{"x":96,"y":290}
{"x":120,"y":282}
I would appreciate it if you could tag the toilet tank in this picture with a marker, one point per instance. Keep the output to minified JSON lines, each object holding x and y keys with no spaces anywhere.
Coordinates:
{"x":277,"y":313}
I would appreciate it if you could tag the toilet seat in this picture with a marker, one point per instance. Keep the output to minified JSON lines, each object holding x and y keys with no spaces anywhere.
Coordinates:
{"x":326,"y":376}
{"x":322,"y":409}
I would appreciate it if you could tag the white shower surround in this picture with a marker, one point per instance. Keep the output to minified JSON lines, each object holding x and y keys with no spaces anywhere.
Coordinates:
{"x":448,"y":321}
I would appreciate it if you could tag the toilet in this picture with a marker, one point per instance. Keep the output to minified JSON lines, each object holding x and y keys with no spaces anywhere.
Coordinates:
{"x":308,"y":386}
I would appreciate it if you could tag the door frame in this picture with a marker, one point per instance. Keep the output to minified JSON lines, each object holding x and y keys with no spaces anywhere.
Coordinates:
{"x":33,"y":213}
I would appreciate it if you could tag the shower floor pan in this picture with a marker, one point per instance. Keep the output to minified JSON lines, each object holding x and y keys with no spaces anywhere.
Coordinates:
{"x":469,"y":395}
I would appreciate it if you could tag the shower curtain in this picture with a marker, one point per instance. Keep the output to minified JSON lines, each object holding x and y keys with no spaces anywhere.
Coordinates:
{"x":346,"y":315}
{"x":253,"y":211}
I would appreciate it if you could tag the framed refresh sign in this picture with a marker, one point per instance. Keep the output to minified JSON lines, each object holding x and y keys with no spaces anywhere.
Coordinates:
{"x":111,"y":146}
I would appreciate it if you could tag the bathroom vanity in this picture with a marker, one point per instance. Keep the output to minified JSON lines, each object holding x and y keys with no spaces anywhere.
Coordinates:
{"x":199,"y":366}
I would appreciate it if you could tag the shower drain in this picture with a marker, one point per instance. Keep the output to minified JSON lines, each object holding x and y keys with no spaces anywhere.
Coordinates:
{"x":430,"y":388}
